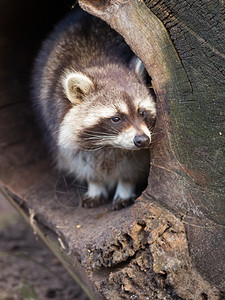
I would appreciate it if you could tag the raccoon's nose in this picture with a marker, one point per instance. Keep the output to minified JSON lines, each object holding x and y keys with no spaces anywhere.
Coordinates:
{"x":141,"y":141}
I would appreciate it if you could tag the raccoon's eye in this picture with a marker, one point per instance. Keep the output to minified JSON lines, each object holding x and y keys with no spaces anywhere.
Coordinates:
{"x":141,"y":113}
{"x":116,"y":120}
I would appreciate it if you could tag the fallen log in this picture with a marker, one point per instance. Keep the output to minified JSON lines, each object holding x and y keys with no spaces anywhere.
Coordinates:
{"x":170,"y":243}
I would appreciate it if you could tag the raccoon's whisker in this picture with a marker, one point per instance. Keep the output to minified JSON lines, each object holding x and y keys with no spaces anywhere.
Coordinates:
{"x":91,"y":149}
{"x":153,"y":134}
{"x":97,"y":137}
{"x":96,"y":133}
{"x":114,"y":129}
{"x":94,"y":149}
{"x":156,"y":140}
{"x":93,"y":132}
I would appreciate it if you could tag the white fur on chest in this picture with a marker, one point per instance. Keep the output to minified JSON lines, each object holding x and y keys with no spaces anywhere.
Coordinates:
{"x":106,"y":165}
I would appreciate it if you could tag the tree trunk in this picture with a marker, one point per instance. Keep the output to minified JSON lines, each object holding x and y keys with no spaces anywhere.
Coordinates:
{"x":170,"y":244}
{"x":187,"y":157}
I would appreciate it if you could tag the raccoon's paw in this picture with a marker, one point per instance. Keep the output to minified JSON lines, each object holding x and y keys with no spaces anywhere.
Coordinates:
{"x":90,"y":202}
{"x":96,"y":195}
{"x":119,"y":203}
{"x":124,"y":195}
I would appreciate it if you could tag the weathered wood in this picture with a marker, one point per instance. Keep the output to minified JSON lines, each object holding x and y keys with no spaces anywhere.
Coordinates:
{"x":184,"y":175}
{"x":54,"y":244}
{"x":133,"y":252}
{"x":141,"y":251}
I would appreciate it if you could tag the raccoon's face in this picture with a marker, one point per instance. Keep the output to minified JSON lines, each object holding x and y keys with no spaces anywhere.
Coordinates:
{"x":128,"y":125}
{"x":103,"y":116}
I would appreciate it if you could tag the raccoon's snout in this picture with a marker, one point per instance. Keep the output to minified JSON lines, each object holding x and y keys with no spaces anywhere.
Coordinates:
{"x":141,"y":141}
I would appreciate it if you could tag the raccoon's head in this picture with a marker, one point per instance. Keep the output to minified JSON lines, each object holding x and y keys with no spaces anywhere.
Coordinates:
{"x":110,"y":108}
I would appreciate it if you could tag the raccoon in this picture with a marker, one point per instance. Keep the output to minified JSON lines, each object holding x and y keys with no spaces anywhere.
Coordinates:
{"x":96,"y":111}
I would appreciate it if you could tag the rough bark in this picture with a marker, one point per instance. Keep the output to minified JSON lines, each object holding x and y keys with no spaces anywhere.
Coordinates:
{"x":187,"y":169}
{"x":170,"y":243}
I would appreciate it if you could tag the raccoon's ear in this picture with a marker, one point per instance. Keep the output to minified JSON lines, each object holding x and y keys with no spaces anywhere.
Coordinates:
{"x":137,"y":65}
{"x":77,"y":85}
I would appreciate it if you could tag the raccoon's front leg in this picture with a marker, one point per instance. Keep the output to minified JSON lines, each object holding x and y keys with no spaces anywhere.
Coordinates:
{"x":96,"y":194}
{"x":124,"y":195}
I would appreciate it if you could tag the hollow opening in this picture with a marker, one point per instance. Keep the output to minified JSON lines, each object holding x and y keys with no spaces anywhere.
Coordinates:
{"x":23,"y":26}
{"x":24,"y":159}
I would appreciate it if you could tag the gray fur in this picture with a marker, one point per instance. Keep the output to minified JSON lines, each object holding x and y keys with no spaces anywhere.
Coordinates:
{"x":84,"y":75}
